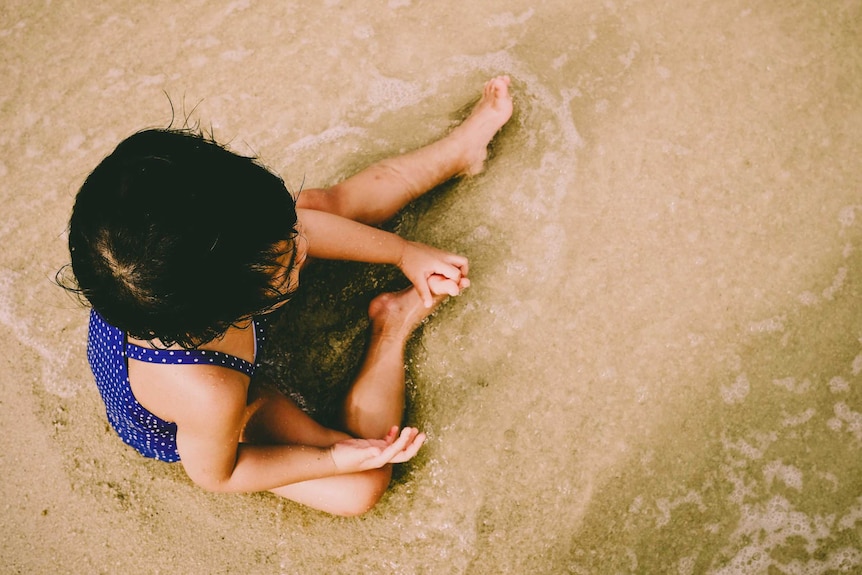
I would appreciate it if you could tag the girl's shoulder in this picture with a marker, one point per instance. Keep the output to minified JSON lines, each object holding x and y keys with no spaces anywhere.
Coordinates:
{"x":177,"y":387}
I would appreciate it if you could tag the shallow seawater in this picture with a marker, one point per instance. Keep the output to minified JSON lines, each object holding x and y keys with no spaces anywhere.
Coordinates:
{"x":658,"y":367}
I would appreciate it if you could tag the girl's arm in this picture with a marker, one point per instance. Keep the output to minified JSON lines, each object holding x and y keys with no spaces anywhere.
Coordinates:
{"x":208,"y":439}
{"x":432,"y":271}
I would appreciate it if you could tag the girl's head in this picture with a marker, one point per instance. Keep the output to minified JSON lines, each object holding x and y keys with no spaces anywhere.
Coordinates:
{"x":175,"y":238}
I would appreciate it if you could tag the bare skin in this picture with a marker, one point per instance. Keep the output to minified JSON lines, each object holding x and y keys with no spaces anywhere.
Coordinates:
{"x":236,"y":438}
{"x":397,"y":181}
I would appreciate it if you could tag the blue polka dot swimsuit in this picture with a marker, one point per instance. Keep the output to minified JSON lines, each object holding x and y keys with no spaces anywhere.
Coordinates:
{"x":108,"y":353}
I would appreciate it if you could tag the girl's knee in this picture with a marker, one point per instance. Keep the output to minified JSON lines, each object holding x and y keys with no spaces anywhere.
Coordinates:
{"x":344,"y":495}
{"x":368,"y":489}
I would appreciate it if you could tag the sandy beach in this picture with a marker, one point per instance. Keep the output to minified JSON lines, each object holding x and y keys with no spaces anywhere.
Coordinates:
{"x":657,"y":369}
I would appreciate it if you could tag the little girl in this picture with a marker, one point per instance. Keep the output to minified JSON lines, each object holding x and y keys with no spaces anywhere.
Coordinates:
{"x":182,"y":248}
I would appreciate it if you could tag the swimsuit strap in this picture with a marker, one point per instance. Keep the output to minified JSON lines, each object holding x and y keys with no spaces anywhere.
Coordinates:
{"x":190,"y":357}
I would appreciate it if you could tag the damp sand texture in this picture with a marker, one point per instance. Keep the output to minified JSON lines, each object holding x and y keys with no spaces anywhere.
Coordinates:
{"x":657,"y":369}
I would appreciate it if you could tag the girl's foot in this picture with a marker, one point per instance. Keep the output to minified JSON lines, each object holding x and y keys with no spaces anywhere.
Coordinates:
{"x":398,"y":314}
{"x":488,"y":116}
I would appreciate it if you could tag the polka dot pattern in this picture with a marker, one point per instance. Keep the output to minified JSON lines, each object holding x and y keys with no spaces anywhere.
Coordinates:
{"x":188,"y":357}
{"x":108,"y":352}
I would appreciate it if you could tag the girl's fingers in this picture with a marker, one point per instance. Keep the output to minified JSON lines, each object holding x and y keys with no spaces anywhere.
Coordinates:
{"x":462,"y":263}
{"x":413,"y":448}
{"x":425,"y":293}
{"x":405,"y":438}
{"x":451,"y":271}
{"x":441,"y":285}
{"x":393,"y":433}
{"x":400,"y":450}
{"x":410,"y":450}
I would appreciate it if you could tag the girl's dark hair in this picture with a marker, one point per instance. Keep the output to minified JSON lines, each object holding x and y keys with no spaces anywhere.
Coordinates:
{"x":175,"y":238}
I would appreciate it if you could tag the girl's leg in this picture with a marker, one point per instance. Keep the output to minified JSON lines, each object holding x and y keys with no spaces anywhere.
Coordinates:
{"x":374,"y":404}
{"x":377,"y":193}
{"x":277,"y":419}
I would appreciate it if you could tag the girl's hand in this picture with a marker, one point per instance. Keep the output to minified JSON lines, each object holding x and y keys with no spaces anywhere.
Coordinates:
{"x":352,"y":455}
{"x":433,"y":271}
{"x":441,"y":285}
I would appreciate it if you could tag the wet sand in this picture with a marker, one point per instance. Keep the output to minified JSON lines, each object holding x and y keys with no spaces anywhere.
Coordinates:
{"x":658,"y":368}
